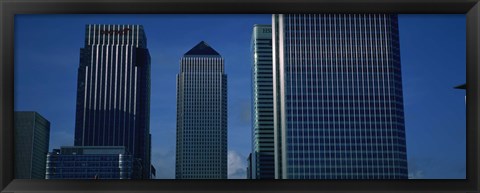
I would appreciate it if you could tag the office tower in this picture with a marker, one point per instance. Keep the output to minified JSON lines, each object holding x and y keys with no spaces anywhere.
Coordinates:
{"x":31,"y":139}
{"x":263,"y":163}
{"x":338,"y":97}
{"x":89,"y":162}
{"x":113,"y":92}
{"x":201,"y":115}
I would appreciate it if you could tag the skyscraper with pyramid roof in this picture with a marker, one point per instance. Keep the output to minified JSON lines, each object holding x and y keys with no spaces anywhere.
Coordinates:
{"x":201,"y":149}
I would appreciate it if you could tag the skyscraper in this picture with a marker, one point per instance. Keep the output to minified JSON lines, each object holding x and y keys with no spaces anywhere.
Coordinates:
{"x":32,"y":137}
{"x":338,"y":97}
{"x":263,"y":164}
{"x":201,"y":115}
{"x":113,"y":92}
{"x":249,"y":166}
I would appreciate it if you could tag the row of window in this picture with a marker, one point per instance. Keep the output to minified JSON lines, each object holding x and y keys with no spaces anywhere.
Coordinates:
{"x":86,"y":170}
{"x":315,"y":122}
{"x":326,"y":162}
{"x":363,"y":23}
{"x":94,"y":158}
{"x":201,"y":138}
{"x":342,"y":150}
{"x":203,"y":145}
{"x":331,"y":66}
{"x":302,"y":128}
{"x":209,"y":151}
{"x":349,"y":176}
{"x":341,"y":88}
{"x":346,"y":132}
{"x":350,"y":77}
{"x":323,"y":19}
{"x":335,"y":173}
{"x":87,"y":164}
{"x":335,"y":59}
{"x":201,"y":175}
{"x":341,"y":113}
{"x":335,"y":105}
{"x":341,"y":122}
{"x":87,"y":176}
{"x":342,"y":39}
{"x":344,"y":87}
{"x":350,"y":96}
{"x":328,"y":140}
{"x":345,"y":96}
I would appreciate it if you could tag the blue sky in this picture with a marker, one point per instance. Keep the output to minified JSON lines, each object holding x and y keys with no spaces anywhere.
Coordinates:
{"x":47,"y":49}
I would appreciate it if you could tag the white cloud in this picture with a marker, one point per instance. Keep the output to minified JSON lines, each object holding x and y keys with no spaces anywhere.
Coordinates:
{"x":237,"y":165}
{"x":417,"y":166}
{"x":164,"y":164}
{"x":416,"y":174}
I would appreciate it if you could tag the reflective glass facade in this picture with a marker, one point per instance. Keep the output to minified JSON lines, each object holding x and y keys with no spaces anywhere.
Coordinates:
{"x":113,"y":92}
{"x":89,"y":163}
{"x":32,"y":137}
{"x":201,"y":149}
{"x":338,"y":97}
{"x":263,"y":165}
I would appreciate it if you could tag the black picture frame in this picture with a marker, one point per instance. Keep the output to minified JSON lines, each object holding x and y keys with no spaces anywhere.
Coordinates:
{"x":9,"y":8}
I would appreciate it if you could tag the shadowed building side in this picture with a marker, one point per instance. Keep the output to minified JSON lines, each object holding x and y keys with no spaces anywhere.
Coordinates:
{"x":113,"y":92}
{"x":31,"y":138}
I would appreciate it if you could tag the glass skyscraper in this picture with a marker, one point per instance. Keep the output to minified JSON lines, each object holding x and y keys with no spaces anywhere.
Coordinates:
{"x":262,"y":158}
{"x":31,"y":138}
{"x":201,"y":149}
{"x":113,"y":92}
{"x":338,"y":97}
{"x":89,"y":162}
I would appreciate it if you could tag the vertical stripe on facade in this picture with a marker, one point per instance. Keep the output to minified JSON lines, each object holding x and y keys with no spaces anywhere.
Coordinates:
{"x":262,"y":105}
{"x":110,"y":87}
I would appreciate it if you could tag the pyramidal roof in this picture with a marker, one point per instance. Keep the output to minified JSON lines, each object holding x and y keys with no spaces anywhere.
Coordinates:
{"x":463,"y":86}
{"x":201,"y":48}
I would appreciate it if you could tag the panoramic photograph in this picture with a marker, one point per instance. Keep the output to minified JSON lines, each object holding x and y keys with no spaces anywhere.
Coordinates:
{"x":225,"y":96}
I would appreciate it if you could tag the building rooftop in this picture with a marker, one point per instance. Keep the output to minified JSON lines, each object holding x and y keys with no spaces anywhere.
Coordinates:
{"x":202,"y":48}
{"x":90,"y":150}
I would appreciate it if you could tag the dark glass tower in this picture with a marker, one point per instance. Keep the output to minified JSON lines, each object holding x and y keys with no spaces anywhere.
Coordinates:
{"x":201,"y":115}
{"x":338,"y":97}
{"x":32,"y":137}
{"x":113,"y":92}
{"x":263,"y":164}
